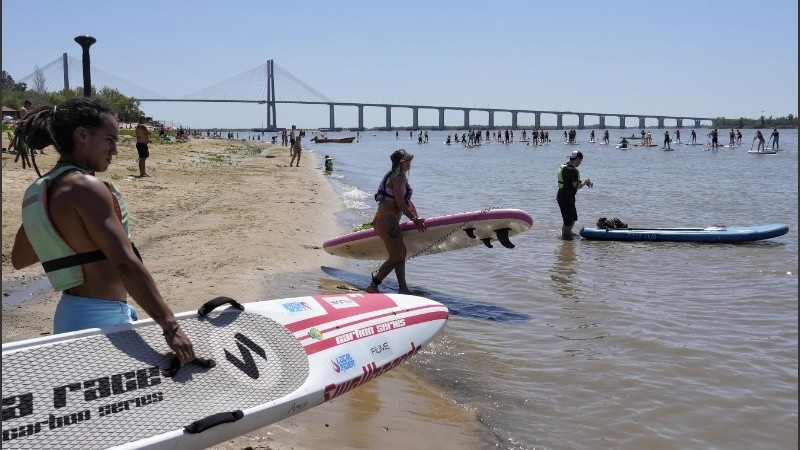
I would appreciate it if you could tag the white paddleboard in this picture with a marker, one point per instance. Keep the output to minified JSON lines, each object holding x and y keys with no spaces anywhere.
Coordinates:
{"x":762,"y":152}
{"x":444,"y":233}
{"x":110,"y":388}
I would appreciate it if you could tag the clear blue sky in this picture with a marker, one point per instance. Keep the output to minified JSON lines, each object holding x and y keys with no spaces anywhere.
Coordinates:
{"x":709,"y":58}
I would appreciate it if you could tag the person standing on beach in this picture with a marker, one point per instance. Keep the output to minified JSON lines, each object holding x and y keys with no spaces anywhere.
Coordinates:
{"x":569,"y":182}
{"x":142,"y":140}
{"x":23,"y":111}
{"x":77,"y":226}
{"x":394,"y":201}
{"x":296,"y":148}
{"x":292,"y":135}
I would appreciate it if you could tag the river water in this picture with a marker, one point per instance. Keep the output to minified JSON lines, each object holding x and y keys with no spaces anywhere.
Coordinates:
{"x":583,"y":344}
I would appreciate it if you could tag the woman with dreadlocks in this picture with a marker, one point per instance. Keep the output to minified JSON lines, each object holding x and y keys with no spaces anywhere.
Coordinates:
{"x":77,"y":225}
{"x":394,"y":200}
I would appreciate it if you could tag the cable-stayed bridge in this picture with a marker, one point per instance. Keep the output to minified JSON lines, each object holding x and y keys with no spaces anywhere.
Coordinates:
{"x":271,"y":85}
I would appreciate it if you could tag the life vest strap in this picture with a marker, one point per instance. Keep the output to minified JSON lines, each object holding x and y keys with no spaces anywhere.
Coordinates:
{"x":73,"y":260}
{"x":80,"y":259}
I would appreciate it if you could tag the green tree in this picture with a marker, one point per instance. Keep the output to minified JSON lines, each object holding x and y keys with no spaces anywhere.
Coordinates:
{"x":127,"y":108}
{"x":8,"y":84}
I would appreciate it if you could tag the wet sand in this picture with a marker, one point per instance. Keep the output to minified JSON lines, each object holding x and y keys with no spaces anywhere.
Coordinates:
{"x":219,"y":217}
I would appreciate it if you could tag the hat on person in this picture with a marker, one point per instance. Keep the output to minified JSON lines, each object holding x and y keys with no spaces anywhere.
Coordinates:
{"x":400,"y":156}
{"x":576,"y":154}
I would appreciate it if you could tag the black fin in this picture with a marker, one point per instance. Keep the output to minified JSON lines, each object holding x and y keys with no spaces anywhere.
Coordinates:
{"x":487,"y":242}
{"x":470,"y":232}
{"x":502,"y":236}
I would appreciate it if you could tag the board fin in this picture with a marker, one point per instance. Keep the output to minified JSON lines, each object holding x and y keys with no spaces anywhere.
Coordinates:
{"x":470,"y":232}
{"x":487,"y":242}
{"x":502,"y":236}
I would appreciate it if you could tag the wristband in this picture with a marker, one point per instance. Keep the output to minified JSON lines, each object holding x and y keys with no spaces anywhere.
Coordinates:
{"x":172,"y":330}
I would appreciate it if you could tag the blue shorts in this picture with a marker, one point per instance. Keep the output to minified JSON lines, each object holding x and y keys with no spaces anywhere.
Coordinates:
{"x":75,"y":313}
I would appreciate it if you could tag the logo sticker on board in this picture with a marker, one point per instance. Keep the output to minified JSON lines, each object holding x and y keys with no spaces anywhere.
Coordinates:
{"x":297,"y":307}
{"x":343,"y":363}
{"x":341,"y":302}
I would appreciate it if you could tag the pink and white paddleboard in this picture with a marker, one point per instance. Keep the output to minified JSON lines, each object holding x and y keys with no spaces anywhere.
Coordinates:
{"x":444,"y":233}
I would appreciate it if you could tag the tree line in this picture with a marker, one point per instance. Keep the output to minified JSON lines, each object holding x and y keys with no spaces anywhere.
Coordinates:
{"x":15,"y":94}
{"x":789,"y":121}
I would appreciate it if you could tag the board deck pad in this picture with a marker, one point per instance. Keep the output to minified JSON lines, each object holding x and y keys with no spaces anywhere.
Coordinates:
{"x":102,"y":396}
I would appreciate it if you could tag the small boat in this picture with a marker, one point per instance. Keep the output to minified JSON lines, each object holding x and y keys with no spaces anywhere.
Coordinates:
{"x":342,"y":140}
{"x":718,"y":234}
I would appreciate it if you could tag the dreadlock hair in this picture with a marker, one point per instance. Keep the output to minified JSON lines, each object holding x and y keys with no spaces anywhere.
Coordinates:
{"x":54,"y":126}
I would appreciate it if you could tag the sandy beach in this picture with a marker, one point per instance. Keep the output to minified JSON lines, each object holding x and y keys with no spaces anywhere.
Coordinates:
{"x":220,"y":217}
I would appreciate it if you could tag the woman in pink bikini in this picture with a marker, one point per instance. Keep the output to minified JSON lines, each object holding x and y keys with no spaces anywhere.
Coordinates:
{"x":394,"y":200}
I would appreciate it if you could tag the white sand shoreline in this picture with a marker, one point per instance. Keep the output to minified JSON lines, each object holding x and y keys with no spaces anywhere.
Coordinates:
{"x":246,"y":227}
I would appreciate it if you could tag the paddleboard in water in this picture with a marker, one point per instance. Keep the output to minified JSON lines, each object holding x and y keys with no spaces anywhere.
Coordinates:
{"x":720,"y":234}
{"x":763,"y":152}
{"x":443,"y":234}
{"x":115,"y":387}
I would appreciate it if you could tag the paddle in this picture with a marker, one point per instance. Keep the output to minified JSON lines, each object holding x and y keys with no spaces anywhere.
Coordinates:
{"x":751,"y":144}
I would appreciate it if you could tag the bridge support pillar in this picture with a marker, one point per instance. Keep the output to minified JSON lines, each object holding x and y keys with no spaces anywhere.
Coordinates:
{"x":441,"y":118}
{"x":697,"y":123}
{"x":580,"y":121}
{"x":641,"y":122}
{"x":332,"y":125}
{"x":660,"y":123}
{"x":621,"y":122}
{"x":415,"y":117}
{"x":559,"y":121}
{"x":514,"y":115}
{"x":466,"y":119}
{"x":361,"y":118}
{"x":602,"y":122}
{"x":491,"y":119}
{"x":66,"y":71}
{"x":388,"y":117}
{"x":679,"y":125}
{"x":537,"y":120}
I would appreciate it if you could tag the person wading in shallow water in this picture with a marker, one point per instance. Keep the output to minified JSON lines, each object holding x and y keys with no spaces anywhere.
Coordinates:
{"x":569,"y":182}
{"x":77,"y":226}
{"x":394,"y":201}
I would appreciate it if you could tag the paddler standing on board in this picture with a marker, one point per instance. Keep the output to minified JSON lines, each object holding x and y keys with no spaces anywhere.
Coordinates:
{"x":77,"y":226}
{"x":569,"y":182}
{"x":394,"y":201}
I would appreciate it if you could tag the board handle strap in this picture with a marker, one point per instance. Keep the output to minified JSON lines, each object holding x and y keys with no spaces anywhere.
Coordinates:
{"x":213,"y":420}
{"x":175,"y":365}
{"x":217,"y":302}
